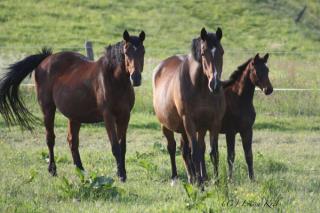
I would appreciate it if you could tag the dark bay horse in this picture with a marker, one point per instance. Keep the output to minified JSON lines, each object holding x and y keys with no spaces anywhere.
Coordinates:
{"x":84,"y":91}
{"x":188,"y":99}
{"x":240,"y":113}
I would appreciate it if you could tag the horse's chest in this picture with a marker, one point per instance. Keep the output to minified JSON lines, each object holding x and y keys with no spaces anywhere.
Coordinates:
{"x":204,"y":114}
{"x":236,"y":121}
{"x":121,"y":102}
{"x":203,"y":111}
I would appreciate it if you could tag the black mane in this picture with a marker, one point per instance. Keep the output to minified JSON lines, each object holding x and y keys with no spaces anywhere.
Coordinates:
{"x":195,"y":49}
{"x":114,"y":54}
{"x":236,"y":74}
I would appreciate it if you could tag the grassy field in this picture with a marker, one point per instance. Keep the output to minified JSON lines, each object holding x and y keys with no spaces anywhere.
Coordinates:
{"x":286,"y":162}
{"x":286,"y":133}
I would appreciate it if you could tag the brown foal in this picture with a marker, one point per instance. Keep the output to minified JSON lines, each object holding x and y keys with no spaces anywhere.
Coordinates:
{"x":240,"y":113}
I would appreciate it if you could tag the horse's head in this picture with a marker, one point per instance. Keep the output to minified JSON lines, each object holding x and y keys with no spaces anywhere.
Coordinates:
{"x":211,"y":52}
{"x":259,"y":73}
{"x":134,"y":56}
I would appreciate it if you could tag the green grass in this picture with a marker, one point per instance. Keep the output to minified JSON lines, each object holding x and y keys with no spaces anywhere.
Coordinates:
{"x":286,"y":163}
{"x":169,"y":25}
{"x":286,"y":132}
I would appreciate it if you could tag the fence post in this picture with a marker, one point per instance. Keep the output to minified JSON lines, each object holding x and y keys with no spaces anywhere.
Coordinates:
{"x":89,"y":50}
{"x":299,"y":16}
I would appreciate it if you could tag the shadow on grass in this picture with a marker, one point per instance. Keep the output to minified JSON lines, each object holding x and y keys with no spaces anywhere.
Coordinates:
{"x":147,"y":125}
{"x":286,"y":126}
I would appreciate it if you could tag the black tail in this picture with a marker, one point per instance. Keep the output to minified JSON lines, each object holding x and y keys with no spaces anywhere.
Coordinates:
{"x":12,"y":106}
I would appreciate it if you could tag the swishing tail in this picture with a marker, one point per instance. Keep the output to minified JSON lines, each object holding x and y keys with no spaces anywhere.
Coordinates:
{"x":12,"y":106}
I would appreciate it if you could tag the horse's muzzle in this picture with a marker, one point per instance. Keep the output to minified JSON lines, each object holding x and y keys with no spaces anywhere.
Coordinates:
{"x":135,"y":79}
{"x":214,"y":86}
{"x":267,"y":90}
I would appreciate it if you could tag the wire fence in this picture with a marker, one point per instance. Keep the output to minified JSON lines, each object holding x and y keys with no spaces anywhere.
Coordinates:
{"x":278,"y":56}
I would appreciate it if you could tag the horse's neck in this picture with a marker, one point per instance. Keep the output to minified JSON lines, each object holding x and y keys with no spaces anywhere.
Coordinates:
{"x":115,"y":76}
{"x":194,"y":72}
{"x":245,"y":88}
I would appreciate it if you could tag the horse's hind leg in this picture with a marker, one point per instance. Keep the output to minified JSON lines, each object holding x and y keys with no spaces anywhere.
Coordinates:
{"x":246,"y":137}
{"x":73,"y":140}
{"x":231,"y":153}
{"x":190,"y":130}
{"x":186,"y":154}
{"x":214,"y":154}
{"x":49,"y":113}
{"x":172,"y":151}
{"x":202,"y":148}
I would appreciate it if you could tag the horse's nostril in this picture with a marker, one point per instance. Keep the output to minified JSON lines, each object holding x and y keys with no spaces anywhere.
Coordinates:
{"x":214,"y":86}
{"x":135,"y":79}
{"x":267,"y":91}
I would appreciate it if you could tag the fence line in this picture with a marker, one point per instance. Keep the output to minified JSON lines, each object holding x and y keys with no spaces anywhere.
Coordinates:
{"x":228,"y":50}
{"x":89,"y":50}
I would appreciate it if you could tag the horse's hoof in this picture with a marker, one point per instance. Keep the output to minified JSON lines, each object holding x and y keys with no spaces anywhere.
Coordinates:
{"x":200,"y":182}
{"x":123,"y":178}
{"x":252,"y":179}
{"x":191,"y":180}
{"x":174,"y":181}
{"x":52,"y":169}
{"x":205,"y":178}
{"x":230,"y":179}
{"x":201,"y":187}
{"x":83,"y":172}
{"x":80,"y":167}
{"x":215,"y":181}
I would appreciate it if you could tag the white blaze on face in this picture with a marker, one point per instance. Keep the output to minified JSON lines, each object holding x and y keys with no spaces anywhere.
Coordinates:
{"x":213,"y":51}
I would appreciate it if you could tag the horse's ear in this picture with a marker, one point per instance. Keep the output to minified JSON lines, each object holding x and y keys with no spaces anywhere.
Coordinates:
{"x":265,"y":58}
{"x":203,"y":34}
{"x":219,"y":33}
{"x":256,"y":58}
{"x":126,"y":36}
{"x":142,"y":36}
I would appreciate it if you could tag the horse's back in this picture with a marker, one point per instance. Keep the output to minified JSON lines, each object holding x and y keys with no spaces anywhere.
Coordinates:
{"x":63,"y":62}
{"x":70,"y":80}
{"x":166,"y":69}
{"x":165,"y":91}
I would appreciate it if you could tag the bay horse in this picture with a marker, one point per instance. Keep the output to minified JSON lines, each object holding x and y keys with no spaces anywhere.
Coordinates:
{"x":240,"y":112}
{"x":84,"y":91}
{"x":188,"y":99}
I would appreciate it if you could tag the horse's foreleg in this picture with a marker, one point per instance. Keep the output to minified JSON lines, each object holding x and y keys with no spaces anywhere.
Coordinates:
{"x":186,"y":154}
{"x":172,"y":151}
{"x":122,"y":126}
{"x":246,"y":137}
{"x":231,"y":153}
{"x":214,"y":154}
{"x":73,"y":140}
{"x":110,"y":124}
{"x":202,"y":148}
{"x":49,"y":113}
{"x":193,"y":144}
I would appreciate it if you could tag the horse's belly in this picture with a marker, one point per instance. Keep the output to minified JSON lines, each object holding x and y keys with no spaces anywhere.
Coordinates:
{"x":79,"y":105}
{"x":167,"y":114}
